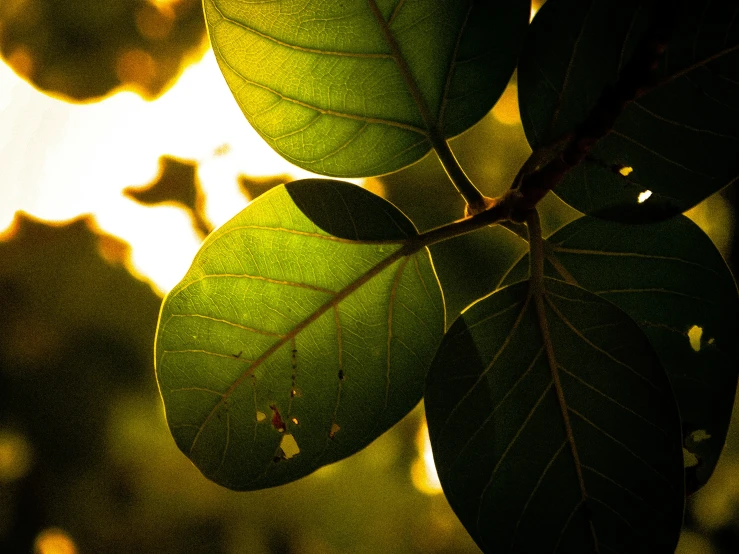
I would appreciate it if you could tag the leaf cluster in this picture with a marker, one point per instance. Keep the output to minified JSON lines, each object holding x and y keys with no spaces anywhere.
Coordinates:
{"x":574,"y":407}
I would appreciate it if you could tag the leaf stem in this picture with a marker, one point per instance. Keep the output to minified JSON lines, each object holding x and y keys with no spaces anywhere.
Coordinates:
{"x":549,"y":164}
{"x":536,"y":258}
{"x":476,"y":202}
{"x":499,"y":209}
{"x":538,"y":295}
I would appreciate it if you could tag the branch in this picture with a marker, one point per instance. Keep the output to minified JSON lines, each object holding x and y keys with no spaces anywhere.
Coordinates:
{"x":637,"y":73}
{"x":544,"y":169}
{"x":476,"y":202}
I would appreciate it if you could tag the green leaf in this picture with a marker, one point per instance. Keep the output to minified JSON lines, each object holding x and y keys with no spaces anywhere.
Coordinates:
{"x":672,"y":281}
{"x":559,"y":434}
{"x":679,"y":137}
{"x":363,"y":87}
{"x":302,"y":332}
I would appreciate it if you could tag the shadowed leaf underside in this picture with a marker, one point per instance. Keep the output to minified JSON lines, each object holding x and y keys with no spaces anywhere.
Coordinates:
{"x":678,"y":139}
{"x":672,"y":281}
{"x":559,"y":433}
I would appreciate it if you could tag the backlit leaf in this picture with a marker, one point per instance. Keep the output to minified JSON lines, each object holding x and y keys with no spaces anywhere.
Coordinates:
{"x":301,"y":333}
{"x":675,"y":285}
{"x":361,"y":87}
{"x":678,"y":139}
{"x":559,"y":435}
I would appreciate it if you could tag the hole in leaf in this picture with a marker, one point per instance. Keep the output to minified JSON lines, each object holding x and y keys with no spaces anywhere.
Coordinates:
{"x":277,"y":422}
{"x":341,"y":375}
{"x":689,"y":459}
{"x":694,"y":335}
{"x":294,"y":420}
{"x":698,"y":436}
{"x":334,"y":429}
{"x":626,"y":171}
{"x":261,"y":416}
{"x":710,"y":341}
{"x":644,"y":196}
{"x":289,"y":447}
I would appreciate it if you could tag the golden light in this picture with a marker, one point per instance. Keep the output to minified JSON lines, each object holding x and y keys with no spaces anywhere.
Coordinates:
{"x":423,"y":470}
{"x":716,"y":217}
{"x":644,"y":196}
{"x":693,"y":543}
{"x":535,"y":7}
{"x":695,"y":334}
{"x":155,"y":22}
{"x":506,"y":109}
{"x":136,"y":66}
{"x":54,"y":541}
{"x":16,"y":456}
{"x":21,"y":61}
{"x":62,"y":160}
{"x":164,"y":4}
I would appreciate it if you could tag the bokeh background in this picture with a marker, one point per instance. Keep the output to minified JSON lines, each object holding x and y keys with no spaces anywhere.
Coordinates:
{"x":120,"y":149}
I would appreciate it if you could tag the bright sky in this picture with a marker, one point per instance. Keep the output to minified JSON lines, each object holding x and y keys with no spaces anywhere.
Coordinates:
{"x":60,"y":160}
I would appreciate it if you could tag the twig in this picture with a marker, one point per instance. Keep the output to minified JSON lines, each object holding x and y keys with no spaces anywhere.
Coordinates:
{"x":635,"y":75}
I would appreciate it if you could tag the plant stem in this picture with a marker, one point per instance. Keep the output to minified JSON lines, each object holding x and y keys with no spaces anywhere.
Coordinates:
{"x":568,"y":151}
{"x":536,"y":248}
{"x":474,"y":198}
{"x":549,"y":164}
{"x":499,"y":209}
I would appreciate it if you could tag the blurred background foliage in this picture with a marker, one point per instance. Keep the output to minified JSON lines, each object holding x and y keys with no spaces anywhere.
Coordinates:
{"x":84,"y":49}
{"x":87,"y":464}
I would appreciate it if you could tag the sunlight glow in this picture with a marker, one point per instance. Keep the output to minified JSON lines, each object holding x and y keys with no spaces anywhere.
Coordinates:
{"x":61,"y":160}
{"x":716,"y":218}
{"x":54,"y":541}
{"x":505,"y":110}
{"x":423,"y":470}
{"x":535,"y":7}
{"x":644,"y":196}
{"x":15,"y":456}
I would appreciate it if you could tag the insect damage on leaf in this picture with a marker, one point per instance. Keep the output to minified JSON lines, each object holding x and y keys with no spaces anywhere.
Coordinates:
{"x":314,"y":264}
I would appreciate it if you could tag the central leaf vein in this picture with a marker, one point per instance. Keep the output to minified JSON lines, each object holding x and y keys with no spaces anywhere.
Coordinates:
{"x":242,"y":25}
{"x":331,"y":303}
{"x":324,"y":111}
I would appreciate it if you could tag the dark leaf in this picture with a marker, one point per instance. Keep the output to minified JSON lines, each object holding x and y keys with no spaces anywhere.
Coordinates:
{"x":556,"y":433}
{"x":678,"y":139}
{"x":675,"y":285}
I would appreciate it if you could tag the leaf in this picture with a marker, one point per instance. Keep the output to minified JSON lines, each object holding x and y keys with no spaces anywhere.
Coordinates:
{"x":555,"y":436}
{"x":302,"y":332}
{"x":678,"y":139}
{"x":670,"y":279}
{"x":363,"y":87}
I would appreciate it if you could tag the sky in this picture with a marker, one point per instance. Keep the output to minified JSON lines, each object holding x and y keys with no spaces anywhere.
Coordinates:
{"x":60,"y":160}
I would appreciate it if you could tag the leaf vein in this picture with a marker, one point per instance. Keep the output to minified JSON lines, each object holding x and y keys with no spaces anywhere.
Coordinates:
{"x":296,"y":47}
